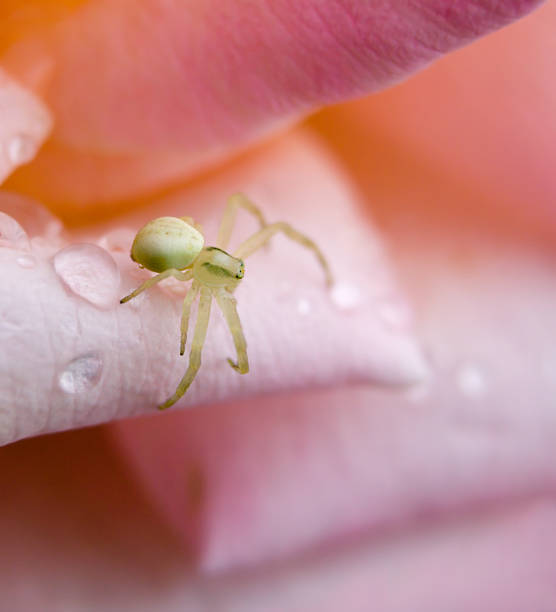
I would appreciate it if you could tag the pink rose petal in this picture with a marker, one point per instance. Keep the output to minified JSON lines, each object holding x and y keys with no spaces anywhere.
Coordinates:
{"x":152,"y":78}
{"x":72,"y":519}
{"x":99,"y":361}
{"x":484,"y":116}
{"x":250,"y":482}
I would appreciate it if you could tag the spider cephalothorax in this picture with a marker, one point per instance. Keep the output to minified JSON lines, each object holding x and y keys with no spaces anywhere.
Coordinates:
{"x":174,"y":246}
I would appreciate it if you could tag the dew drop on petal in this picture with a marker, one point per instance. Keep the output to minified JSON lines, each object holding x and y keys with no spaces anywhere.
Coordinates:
{"x":303,"y":306}
{"x":21,"y":149}
{"x":81,"y":374}
{"x":26,"y":261}
{"x":345,"y":296}
{"x":35,"y":218}
{"x":12,"y":235}
{"x":471,"y":380}
{"x":89,"y":272}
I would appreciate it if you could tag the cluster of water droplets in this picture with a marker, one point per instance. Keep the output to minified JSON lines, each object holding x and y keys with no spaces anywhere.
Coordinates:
{"x":27,"y":227}
{"x":88,"y":270}
{"x":344,"y":296}
{"x":465,"y":377}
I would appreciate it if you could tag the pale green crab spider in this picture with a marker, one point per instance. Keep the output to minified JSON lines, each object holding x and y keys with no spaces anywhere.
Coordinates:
{"x":174,"y":246}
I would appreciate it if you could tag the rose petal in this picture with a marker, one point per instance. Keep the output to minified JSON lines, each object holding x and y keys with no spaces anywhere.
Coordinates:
{"x":97,"y":361}
{"x":483,"y":117}
{"x":260,"y":480}
{"x":497,"y":562}
{"x":202,"y":80}
{"x":73,"y":519}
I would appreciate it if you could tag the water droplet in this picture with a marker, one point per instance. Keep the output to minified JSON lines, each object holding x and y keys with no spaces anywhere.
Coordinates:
{"x":33,"y":217}
{"x":394,"y":313}
{"x":303,"y":306}
{"x":21,"y":149}
{"x":345,"y":296}
{"x":471,"y":380}
{"x":12,"y":235}
{"x":118,"y":240}
{"x":90,"y":272}
{"x":81,"y":374}
{"x":26,"y":261}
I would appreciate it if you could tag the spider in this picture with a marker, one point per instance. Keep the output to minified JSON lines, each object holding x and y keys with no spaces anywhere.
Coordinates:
{"x":174,"y":246}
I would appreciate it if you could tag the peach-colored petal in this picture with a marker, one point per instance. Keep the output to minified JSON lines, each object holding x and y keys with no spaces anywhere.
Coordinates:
{"x":73,"y":356}
{"x":81,"y":186}
{"x":483,"y":117}
{"x":204,"y":79}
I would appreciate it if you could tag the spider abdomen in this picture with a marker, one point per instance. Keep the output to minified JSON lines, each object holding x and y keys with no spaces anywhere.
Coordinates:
{"x":166,"y":242}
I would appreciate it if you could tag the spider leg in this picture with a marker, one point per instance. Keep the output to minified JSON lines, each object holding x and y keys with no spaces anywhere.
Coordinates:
{"x":235,"y":201}
{"x":260,"y":238}
{"x":199,"y":336}
{"x":182,"y":276}
{"x":227,"y":303}
{"x":186,"y":311}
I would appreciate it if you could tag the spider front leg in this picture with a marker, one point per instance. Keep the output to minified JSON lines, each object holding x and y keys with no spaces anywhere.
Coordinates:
{"x":199,"y":337}
{"x":260,"y":238}
{"x":227,"y":303}
{"x":182,"y":276}
{"x":186,"y":311}
{"x":238,"y":200}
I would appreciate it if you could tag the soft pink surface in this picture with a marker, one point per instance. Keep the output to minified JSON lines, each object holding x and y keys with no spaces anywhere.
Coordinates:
{"x":76,"y":534}
{"x":262,"y":479}
{"x":486,"y":114}
{"x":100,"y":360}
{"x":439,"y":497}
{"x":133,"y":80}
{"x":167,"y":75}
